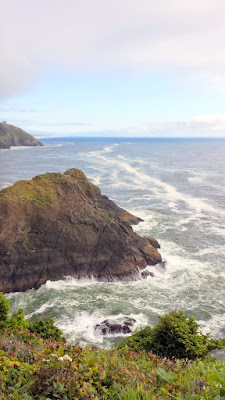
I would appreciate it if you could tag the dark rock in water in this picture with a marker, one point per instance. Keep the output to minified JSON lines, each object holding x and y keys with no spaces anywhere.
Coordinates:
{"x":122,"y":325}
{"x":145,"y":274}
{"x":12,"y":136}
{"x":58,"y":225}
{"x":153,"y":242}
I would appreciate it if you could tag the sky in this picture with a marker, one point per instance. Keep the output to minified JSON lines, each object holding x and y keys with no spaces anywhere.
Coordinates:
{"x":113,"y":68}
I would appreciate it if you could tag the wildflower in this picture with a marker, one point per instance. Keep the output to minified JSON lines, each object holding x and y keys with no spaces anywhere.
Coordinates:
{"x":65,"y":357}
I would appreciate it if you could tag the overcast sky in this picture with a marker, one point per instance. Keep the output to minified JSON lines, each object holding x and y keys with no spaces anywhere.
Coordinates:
{"x":109,"y":67}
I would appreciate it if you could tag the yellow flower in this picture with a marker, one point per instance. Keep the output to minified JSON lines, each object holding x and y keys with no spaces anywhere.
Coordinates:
{"x":13,"y":363}
{"x":17,"y":363}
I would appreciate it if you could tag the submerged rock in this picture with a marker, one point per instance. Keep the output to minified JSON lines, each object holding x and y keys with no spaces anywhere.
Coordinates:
{"x":58,"y":225}
{"x":12,"y":136}
{"x":122,"y":325}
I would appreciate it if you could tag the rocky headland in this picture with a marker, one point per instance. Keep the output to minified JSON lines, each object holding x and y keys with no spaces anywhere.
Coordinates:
{"x":12,"y":136}
{"x":58,"y":225}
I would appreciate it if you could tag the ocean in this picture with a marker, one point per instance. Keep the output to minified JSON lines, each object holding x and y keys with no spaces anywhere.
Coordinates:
{"x":177,"y":186}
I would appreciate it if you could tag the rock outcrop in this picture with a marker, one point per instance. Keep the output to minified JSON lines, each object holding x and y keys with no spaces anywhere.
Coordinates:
{"x":13,"y":136}
{"x":153,"y":242}
{"x":58,"y":225}
{"x":121,"y":325}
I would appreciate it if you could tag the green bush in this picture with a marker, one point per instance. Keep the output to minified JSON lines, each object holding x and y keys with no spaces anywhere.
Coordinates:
{"x":175,"y":335}
{"x":139,"y":340}
{"x":4,"y":310}
{"x":17,"y":321}
{"x":45,"y":328}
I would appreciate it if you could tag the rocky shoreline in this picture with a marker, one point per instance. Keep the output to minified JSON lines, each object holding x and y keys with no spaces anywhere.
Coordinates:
{"x":58,"y":225}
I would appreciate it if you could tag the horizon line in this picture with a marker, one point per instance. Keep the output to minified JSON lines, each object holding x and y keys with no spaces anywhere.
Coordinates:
{"x":130,"y":137}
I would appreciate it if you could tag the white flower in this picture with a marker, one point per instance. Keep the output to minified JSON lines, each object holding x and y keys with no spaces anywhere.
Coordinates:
{"x":65,"y":357}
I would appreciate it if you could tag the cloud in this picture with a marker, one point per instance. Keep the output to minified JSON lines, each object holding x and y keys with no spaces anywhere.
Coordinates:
{"x":12,"y":109}
{"x":41,"y":36}
{"x":212,"y":126}
{"x":199,"y":127}
{"x":64,"y":124}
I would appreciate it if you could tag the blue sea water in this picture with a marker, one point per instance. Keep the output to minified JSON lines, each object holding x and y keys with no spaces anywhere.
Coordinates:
{"x":177,"y":186}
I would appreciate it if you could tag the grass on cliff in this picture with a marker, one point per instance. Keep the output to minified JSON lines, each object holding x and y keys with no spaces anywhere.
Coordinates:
{"x":29,"y":191}
{"x":42,"y":190}
{"x":42,"y":365}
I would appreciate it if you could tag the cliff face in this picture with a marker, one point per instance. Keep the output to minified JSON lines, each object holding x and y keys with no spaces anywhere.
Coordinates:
{"x":59,"y":225}
{"x":12,"y":136}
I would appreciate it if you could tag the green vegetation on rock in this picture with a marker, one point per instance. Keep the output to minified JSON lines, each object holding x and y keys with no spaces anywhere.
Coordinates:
{"x":42,"y":189}
{"x":30,"y":191}
{"x":34,"y":365}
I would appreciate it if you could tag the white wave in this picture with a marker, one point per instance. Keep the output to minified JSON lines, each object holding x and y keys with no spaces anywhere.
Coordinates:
{"x":134,"y":199}
{"x":5,"y":184}
{"x":15,"y":148}
{"x":96,"y":180}
{"x":151,"y":164}
{"x":217,"y":229}
{"x":150,"y":220}
{"x":208,"y":250}
{"x":43,"y":308}
{"x":214,"y":325}
{"x":168,"y":190}
{"x":68,"y":282}
{"x":81,"y":328}
{"x":195,"y":203}
{"x":54,"y":145}
{"x":108,"y":149}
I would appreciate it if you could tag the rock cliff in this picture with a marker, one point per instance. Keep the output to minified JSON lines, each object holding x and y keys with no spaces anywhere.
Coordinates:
{"x":58,"y":225}
{"x":13,"y":136}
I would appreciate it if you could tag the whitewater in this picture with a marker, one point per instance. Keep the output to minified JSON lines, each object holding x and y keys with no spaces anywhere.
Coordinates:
{"x":177,"y":187}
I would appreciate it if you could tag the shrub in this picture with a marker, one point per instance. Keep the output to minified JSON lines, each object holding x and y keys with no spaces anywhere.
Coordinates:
{"x":17,"y":321}
{"x":45,"y":328}
{"x":175,"y":335}
{"x":4,"y":310}
{"x":139,"y":340}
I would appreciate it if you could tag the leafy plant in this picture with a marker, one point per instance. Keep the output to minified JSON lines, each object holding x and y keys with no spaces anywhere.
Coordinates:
{"x":175,"y":335}
{"x":4,"y":310}
{"x":17,"y":321}
{"x":45,"y":328}
{"x":34,"y":365}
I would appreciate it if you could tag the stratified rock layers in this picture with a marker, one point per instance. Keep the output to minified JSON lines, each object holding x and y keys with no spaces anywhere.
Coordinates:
{"x":58,"y":225}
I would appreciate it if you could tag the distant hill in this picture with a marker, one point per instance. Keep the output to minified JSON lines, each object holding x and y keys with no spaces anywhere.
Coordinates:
{"x":12,"y":136}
